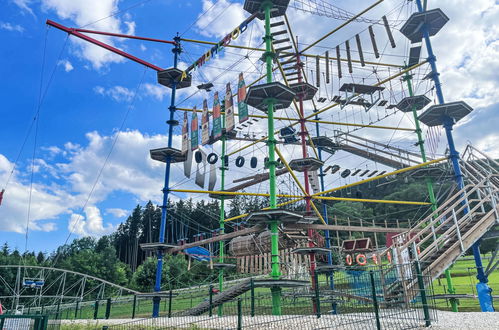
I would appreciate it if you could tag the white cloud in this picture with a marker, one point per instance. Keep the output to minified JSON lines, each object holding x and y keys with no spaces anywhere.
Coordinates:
{"x":11,"y":27}
{"x":90,"y":224}
{"x":155,"y":90}
{"x":66,"y":64}
{"x":24,"y":5}
{"x":118,"y":213}
{"x":220,"y":18}
{"x":89,"y":13}
{"x":117,"y":93}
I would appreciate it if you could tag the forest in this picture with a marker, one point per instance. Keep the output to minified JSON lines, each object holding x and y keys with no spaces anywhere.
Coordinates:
{"x":118,"y":258}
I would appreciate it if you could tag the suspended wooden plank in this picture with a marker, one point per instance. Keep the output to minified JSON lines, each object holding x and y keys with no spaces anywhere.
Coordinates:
{"x":318,"y":70}
{"x":389,"y":32}
{"x":359,"y":49}
{"x":338,"y":61}
{"x":327,"y":67}
{"x":373,"y":41}
{"x":349,"y":56}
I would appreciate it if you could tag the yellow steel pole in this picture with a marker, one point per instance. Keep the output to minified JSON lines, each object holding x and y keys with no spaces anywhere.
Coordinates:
{"x":406,"y":169}
{"x":382,"y":201}
{"x":343,"y":25}
{"x":230,"y":193}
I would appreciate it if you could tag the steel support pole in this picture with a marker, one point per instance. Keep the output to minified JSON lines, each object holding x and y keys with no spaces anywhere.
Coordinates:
{"x":429,"y":186}
{"x":166,"y":190}
{"x":303,"y":133}
{"x":222,"y":210}
{"x":274,"y":240}
{"x":484,"y":291}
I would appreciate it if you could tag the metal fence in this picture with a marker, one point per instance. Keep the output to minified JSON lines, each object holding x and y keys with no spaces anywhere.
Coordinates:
{"x":29,"y":322}
{"x":377,"y":297}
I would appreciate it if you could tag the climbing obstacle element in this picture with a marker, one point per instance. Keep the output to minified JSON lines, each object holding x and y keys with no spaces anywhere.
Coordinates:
{"x":260,"y":96}
{"x":440,"y":114}
{"x":432,"y":20}
{"x":417,"y":102}
{"x":173,"y":75}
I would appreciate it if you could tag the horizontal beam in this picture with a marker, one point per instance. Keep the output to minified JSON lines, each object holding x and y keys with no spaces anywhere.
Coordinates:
{"x":288,"y":53}
{"x":338,"y":123}
{"x":352,"y":19}
{"x":402,"y":170}
{"x":128,"y":36}
{"x":380,"y":201}
{"x":219,"y":238}
{"x":115,"y":50}
{"x":329,"y":107}
{"x":266,"y":208}
{"x":217,"y":192}
{"x":346,"y":228}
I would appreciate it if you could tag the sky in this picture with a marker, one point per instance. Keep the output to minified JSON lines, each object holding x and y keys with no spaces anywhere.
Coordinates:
{"x":77,"y":122}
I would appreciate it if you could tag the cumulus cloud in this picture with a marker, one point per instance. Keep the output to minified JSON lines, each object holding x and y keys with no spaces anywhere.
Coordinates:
{"x":118,"y":213}
{"x":117,"y":93}
{"x":66,"y":65}
{"x":89,"y":13}
{"x":90,"y":224}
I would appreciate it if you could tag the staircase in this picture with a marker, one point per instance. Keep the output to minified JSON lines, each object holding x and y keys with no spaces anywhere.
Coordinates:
{"x":441,"y":238}
{"x":219,"y":299}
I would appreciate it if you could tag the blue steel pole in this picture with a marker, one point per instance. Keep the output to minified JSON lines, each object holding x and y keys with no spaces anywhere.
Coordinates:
{"x":166,"y":190}
{"x":484,"y":291}
{"x":324,"y":215}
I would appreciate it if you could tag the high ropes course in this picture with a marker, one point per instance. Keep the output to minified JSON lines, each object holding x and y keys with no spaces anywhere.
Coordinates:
{"x":300,"y":123}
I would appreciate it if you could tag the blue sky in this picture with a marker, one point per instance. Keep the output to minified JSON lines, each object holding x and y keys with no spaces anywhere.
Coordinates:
{"x":87,"y":93}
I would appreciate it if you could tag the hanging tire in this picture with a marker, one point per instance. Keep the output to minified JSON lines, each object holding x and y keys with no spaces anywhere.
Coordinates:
{"x":198,"y":156}
{"x":345,"y":173}
{"x":226,"y":161}
{"x":240,"y":161}
{"x":212,"y":158}
{"x":335,"y":169}
{"x":253,"y":162}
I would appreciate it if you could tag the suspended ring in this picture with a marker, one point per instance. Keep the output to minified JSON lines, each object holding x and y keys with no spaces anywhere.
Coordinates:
{"x":212,"y":158}
{"x":335,"y":169}
{"x":198,"y":156}
{"x":240,"y":161}
{"x":345,"y":173}
{"x":253,"y":162}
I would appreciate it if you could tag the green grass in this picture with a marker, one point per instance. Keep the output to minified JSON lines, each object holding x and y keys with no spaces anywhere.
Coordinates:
{"x":463,"y":275}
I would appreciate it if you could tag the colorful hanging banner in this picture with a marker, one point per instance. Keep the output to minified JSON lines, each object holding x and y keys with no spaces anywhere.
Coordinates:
{"x":217,"y":119}
{"x":194,"y":130}
{"x":229,"y":109}
{"x":185,"y":134}
{"x":242,"y":107}
{"x":205,"y":124}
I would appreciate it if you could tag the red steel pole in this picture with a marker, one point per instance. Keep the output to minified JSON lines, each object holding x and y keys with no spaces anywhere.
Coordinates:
{"x":115,"y":50}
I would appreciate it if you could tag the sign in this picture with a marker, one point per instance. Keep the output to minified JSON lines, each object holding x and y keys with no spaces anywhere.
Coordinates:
{"x":194,"y":130}
{"x":229,"y":109}
{"x":205,"y":124}
{"x":217,"y":119}
{"x":185,"y":134}
{"x":242,"y":107}
{"x":219,"y":46}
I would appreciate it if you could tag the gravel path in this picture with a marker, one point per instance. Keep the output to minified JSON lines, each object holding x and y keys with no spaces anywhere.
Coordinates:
{"x":446,"y":320}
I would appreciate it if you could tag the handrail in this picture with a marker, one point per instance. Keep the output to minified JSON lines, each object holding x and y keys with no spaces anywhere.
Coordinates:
{"x":461,"y":197}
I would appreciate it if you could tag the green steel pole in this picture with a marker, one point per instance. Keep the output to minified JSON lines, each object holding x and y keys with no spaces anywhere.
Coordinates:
{"x":274,"y":241}
{"x":429,"y":185}
{"x":222,"y":212}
